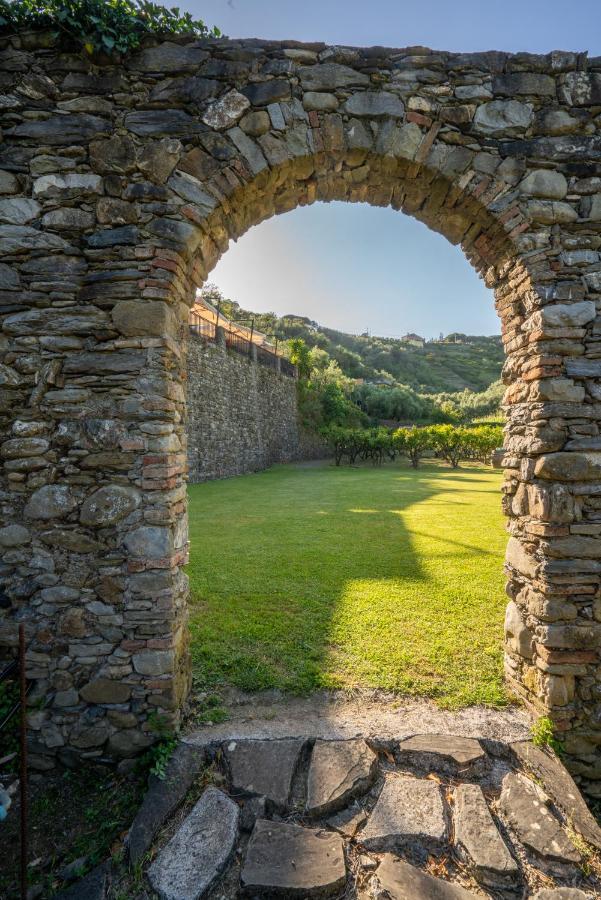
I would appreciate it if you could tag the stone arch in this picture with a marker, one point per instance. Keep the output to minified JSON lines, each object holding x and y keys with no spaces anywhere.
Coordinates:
{"x":118,"y":206}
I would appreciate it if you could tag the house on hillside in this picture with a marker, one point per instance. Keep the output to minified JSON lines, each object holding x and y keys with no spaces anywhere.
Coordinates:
{"x":414,"y":339}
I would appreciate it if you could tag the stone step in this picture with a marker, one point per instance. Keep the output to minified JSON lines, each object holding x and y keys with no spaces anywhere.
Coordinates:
{"x":561,"y":787}
{"x":264,"y":768}
{"x":478,"y":840}
{"x":163,"y":797}
{"x":563,"y":893}
{"x":537,"y":828}
{"x":402,"y":881}
{"x":446,"y":754}
{"x":339,"y":771}
{"x":291,"y":861}
{"x":199,"y":851}
{"x":409,"y":814}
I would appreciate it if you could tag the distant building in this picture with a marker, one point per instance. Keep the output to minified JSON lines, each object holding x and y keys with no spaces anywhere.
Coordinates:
{"x":414,"y":339}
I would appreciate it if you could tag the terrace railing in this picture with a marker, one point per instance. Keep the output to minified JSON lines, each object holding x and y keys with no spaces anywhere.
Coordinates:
{"x":212,"y":331}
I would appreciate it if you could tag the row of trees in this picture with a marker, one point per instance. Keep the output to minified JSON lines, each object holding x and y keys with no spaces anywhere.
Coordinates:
{"x":450,"y":442}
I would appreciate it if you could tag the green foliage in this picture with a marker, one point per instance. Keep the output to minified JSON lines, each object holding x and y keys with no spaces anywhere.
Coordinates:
{"x":323,"y":389}
{"x":208,"y":708}
{"x":543,"y":735}
{"x":449,"y":442}
{"x":300,"y":355}
{"x":413,"y":442}
{"x":465,"y":406}
{"x":109,"y":26}
{"x":399,"y":403}
{"x":155,"y":760}
{"x":468,"y":366}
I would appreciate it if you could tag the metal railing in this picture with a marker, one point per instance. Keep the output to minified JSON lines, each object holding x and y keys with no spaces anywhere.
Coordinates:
{"x":202,"y":327}
{"x":209,"y":329}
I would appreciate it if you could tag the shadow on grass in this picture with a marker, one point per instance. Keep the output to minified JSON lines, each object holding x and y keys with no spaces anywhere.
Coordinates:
{"x":309,"y":577}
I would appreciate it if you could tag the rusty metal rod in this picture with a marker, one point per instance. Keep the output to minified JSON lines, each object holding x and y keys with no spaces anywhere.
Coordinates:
{"x":23,"y":779}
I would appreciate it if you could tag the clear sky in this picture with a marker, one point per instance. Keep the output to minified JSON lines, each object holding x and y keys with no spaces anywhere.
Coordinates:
{"x":353,"y":266}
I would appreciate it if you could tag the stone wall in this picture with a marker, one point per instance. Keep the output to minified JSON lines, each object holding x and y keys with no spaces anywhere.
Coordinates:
{"x":121,"y":185}
{"x":242,"y":416}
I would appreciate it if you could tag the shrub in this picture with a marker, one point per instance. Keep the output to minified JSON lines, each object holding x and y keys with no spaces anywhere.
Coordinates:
{"x":543,"y":735}
{"x":111,"y":26}
{"x":413,"y":442}
{"x":448,"y":441}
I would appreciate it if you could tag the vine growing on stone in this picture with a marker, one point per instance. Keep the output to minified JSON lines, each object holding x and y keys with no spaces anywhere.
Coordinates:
{"x":109,"y":26}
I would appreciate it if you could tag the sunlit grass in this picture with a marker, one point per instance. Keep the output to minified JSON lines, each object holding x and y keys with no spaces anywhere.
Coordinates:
{"x":305,"y":577}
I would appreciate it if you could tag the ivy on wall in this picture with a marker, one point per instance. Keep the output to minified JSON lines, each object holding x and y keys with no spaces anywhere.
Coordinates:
{"x":109,"y":26}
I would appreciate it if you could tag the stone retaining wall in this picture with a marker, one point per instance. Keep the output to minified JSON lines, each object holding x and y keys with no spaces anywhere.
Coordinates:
{"x":121,"y":185}
{"x":242,"y":416}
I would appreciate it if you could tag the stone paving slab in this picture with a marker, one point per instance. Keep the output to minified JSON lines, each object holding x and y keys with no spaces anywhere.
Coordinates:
{"x":289,"y":861}
{"x":401,"y":881}
{"x":479,"y":842}
{"x":339,"y":771}
{"x":563,"y":893}
{"x":93,"y":886}
{"x":349,"y":821}
{"x":561,"y":787}
{"x":409,"y":814}
{"x":533,"y":822}
{"x":187,"y":867}
{"x":264,"y":768}
{"x":163,"y":797}
{"x":446,"y":754}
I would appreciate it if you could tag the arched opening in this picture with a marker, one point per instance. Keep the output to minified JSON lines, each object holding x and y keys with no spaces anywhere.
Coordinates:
{"x":306,"y":578}
{"x":444,"y":202}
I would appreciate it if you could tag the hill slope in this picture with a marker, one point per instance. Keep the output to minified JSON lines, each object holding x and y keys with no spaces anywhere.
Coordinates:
{"x":446,"y":366}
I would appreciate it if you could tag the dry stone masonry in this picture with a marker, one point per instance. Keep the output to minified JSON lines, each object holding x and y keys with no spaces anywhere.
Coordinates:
{"x":405,"y":828}
{"x":120,"y":187}
{"x":241,"y":416}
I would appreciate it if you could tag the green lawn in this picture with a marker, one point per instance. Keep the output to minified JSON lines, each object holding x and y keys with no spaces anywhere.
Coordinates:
{"x":306,"y":577}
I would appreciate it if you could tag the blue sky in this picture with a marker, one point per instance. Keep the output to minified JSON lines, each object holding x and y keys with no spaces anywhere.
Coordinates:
{"x":354,"y":266}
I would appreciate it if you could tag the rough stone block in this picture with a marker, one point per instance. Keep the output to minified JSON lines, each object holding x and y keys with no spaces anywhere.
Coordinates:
{"x":339,"y":772}
{"x":447,"y":754}
{"x":188,"y":866}
{"x":265,"y":768}
{"x":479,"y":842}
{"x":402,"y":881}
{"x":536,"y":827}
{"x":409,"y":814}
{"x":163,"y":797}
{"x":290,"y":861}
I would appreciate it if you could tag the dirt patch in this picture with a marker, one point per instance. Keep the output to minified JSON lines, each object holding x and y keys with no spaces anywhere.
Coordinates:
{"x":79,"y":815}
{"x":340,"y":714}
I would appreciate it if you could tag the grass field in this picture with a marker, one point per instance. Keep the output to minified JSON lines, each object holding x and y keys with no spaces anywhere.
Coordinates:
{"x":306,"y":577}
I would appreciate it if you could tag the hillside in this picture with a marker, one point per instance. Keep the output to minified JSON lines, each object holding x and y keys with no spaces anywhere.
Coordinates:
{"x":473,"y":364}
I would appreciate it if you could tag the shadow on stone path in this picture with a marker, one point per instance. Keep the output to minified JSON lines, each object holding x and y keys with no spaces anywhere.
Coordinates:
{"x":425,"y":817}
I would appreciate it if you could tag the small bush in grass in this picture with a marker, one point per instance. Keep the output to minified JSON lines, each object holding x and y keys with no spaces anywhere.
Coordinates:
{"x":543,"y":735}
